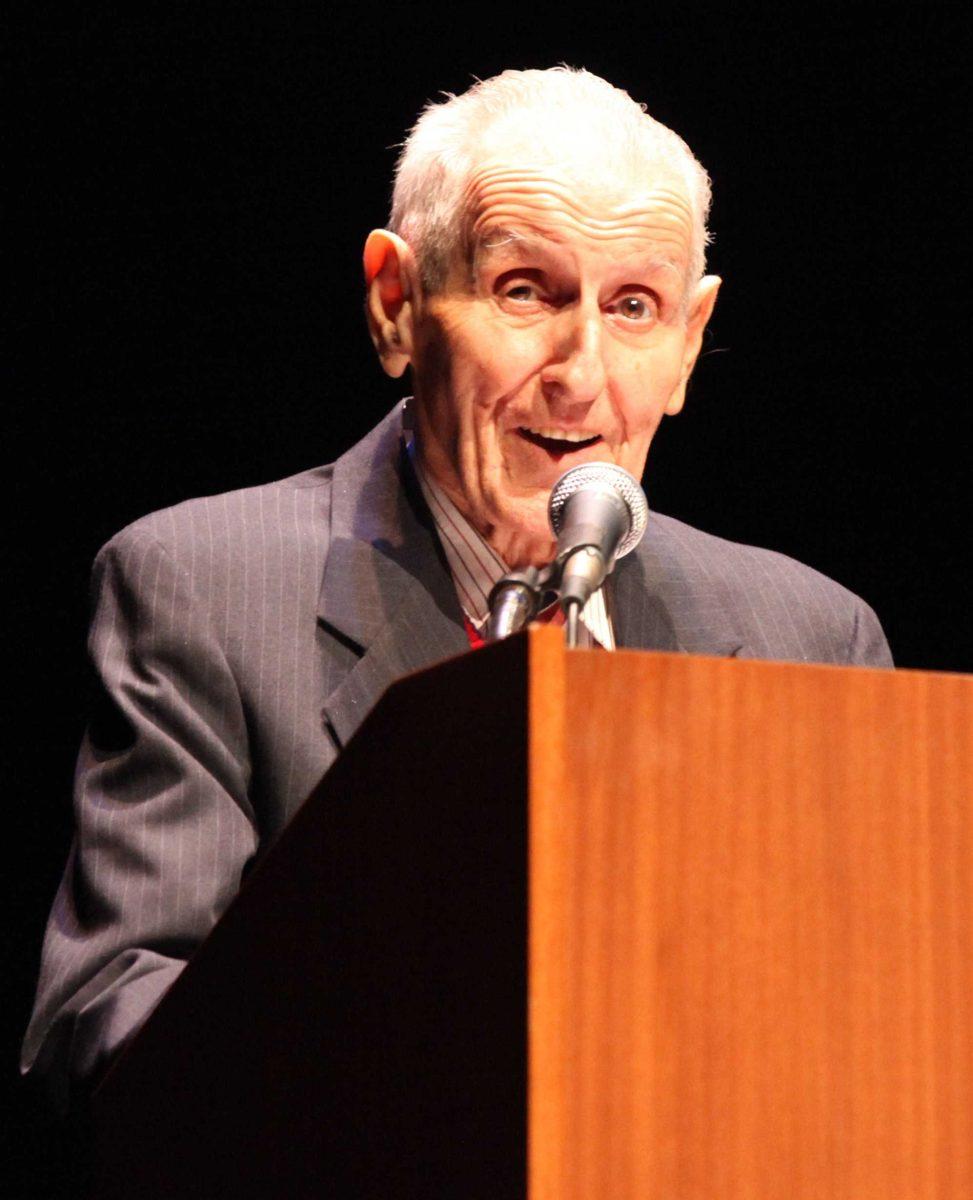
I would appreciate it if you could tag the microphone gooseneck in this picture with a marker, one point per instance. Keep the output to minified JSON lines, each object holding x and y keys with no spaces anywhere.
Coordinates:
{"x":598,"y":513}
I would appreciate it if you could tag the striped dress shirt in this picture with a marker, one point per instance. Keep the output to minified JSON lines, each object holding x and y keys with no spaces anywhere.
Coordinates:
{"x":475,"y":566}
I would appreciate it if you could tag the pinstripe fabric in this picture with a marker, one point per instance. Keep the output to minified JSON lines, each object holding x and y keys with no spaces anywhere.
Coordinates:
{"x":238,"y":641}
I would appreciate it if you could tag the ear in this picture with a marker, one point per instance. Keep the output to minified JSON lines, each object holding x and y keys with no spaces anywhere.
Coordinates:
{"x":391,"y":292}
{"x":699,"y":314}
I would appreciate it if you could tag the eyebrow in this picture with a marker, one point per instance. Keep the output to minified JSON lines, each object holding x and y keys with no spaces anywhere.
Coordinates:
{"x":498,"y":238}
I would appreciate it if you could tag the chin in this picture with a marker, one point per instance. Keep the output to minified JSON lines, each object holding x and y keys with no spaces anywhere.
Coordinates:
{"x":523,"y":537}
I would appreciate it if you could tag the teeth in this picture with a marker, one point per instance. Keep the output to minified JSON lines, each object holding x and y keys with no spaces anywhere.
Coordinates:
{"x":561,"y":435}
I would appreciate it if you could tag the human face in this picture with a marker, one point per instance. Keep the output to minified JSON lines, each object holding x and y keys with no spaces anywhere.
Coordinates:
{"x":563,"y":338}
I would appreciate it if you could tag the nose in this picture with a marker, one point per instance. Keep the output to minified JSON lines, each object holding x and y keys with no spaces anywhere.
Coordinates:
{"x":576,"y":371}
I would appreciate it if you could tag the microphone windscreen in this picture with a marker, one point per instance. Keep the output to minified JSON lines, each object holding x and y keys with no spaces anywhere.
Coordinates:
{"x":601,"y":476}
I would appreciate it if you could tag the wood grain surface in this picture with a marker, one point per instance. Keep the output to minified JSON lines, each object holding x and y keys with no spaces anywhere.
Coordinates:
{"x":750,"y":930}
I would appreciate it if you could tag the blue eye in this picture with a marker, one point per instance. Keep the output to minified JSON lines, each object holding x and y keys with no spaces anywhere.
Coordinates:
{"x":522,"y":292}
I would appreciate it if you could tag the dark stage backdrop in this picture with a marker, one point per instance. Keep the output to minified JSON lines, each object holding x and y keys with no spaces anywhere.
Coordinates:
{"x":189,"y":199}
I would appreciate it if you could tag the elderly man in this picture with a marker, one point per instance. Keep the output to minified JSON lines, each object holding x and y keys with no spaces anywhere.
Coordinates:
{"x":542,"y":279}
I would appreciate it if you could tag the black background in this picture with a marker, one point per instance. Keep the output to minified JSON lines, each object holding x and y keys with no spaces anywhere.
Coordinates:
{"x":189,"y":196}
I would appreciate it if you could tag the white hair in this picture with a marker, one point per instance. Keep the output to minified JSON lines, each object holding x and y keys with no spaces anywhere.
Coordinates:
{"x":553,"y":110}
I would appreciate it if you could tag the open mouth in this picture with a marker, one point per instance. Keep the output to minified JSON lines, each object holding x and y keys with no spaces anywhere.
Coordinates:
{"x":558,"y":442}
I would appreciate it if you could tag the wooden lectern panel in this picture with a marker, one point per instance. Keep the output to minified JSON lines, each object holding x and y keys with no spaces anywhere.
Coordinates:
{"x":751,"y":905}
{"x":589,"y":926}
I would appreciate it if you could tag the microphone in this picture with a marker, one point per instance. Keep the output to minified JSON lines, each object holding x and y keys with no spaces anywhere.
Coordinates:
{"x":598,"y":513}
{"x":513,"y":601}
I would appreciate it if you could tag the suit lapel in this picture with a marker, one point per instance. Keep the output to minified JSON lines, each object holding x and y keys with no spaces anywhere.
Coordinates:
{"x":640,"y":618}
{"x":654,"y":607}
{"x":386,"y":588}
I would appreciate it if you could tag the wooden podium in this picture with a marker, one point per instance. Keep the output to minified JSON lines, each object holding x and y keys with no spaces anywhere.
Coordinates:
{"x":566,"y":924}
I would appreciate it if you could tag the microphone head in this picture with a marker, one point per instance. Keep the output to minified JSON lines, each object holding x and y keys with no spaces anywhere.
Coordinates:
{"x":602,"y":476}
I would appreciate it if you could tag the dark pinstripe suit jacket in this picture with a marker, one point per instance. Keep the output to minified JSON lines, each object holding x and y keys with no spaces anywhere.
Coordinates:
{"x":239,"y":640}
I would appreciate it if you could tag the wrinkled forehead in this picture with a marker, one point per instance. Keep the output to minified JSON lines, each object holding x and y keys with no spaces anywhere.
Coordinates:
{"x":583,"y":200}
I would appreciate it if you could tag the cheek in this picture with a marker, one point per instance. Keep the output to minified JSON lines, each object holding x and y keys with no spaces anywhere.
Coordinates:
{"x":640,"y":403}
{"x":496,"y":369}
{"x":642,"y":388}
